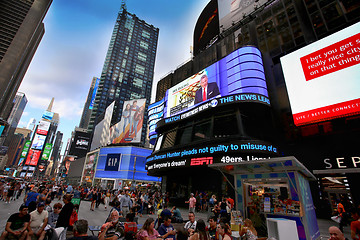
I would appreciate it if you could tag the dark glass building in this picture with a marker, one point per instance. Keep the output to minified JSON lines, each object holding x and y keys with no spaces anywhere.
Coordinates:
{"x":276,"y":28}
{"x":21,"y":30}
{"x":128,"y":69}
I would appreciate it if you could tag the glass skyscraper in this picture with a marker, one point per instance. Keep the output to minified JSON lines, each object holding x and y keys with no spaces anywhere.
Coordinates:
{"x":128,"y":69}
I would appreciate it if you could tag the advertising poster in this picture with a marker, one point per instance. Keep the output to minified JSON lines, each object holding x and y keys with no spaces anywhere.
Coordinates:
{"x":90,"y":165}
{"x":43,"y":127}
{"x":38,"y":142}
{"x":26,"y":148}
{"x":67,"y":162}
{"x":322,"y":79}
{"x":80,"y":145}
{"x":28,"y":159}
{"x":112,"y":162}
{"x":46,"y":153}
{"x":35,"y":157}
{"x":129,"y":129}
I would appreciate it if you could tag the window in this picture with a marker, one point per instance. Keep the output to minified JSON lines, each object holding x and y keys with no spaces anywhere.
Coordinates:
{"x":145,"y":34}
{"x":123,"y":63}
{"x":144,"y":45}
{"x":183,"y":135}
{"x":138,"y":82}
{"x":225,"y":126}
{"x":202,"y":131}
{"x":142,"y":56}
{"x":169,"y":139}
{"x":139,"y":69}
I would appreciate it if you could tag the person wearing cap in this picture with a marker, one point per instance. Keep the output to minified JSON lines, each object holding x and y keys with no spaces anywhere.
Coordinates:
{"x":38,"y":222}
{"x":207,"y":90}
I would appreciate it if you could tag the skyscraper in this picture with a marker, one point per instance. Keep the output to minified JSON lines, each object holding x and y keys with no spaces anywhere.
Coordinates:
{"x":17,"y":110}
{"x":21,"y":30}
{"x":128,"y":69}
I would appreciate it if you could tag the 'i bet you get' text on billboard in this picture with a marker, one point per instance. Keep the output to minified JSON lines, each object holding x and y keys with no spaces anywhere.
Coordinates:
{"x":322,"y":79}
{"x":238,"y":77}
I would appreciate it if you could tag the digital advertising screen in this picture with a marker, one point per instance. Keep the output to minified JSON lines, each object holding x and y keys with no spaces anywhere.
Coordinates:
{"x":90,"y":165}
{"x":48,"y":115}
{"x":155,"y":113}
{"x":33,"y":157}
{"x":129,"y":129}
{"x":94,"y":93}
{"x":26,"y":148}
{"x":46,"y":153}
{"x":241,"y":71}
{"x":43,"y":127}
{"x":238,"y":77}
{"x":38,"y":142}
{"x":80,"y":145}
{"x":322,"y":79}
{"x":232,"y":11}
{"x":2,"y":127}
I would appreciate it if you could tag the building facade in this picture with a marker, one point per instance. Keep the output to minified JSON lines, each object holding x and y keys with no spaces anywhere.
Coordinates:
{"x":196,"y":138}
{"x":17,"y":110}
{"x":128,"y":69}
{"x":21,"y":30}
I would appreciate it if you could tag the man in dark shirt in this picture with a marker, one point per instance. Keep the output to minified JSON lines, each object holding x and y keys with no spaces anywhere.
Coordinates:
{"x":80,"y":231}
{"x":166,"y":230}
{"x":212,"y":228}
{"x":17,"y":224}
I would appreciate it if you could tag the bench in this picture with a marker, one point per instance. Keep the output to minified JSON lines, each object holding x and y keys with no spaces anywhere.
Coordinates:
{"x":95,"y":229}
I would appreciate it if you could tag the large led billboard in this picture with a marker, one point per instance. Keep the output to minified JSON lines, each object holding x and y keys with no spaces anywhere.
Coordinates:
{"x":46,"y":153}
{"x":43,"y":127}
{"x":33,"y":157}
{"x":322,"y":79}
{"x":238,"y":77}
{"x":38,"y":142}
{"x":129,"y":129}
{"x":80,"y":145}
{"x":90,"y":166}
{"x":48,"y":115}
{"x":239,"y":72}
{"x":232,"y":11}
{"x":94,"y":94}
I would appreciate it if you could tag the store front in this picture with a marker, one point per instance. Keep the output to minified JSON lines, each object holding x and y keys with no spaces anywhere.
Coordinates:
{"x":117,"y":168}
{"x":272,"y":189}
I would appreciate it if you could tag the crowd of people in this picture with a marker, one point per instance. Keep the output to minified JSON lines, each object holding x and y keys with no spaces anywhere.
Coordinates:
{"x":43,"y":216}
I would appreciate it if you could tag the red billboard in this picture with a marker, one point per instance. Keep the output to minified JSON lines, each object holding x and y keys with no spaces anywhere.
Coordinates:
{"x":322,"y":79}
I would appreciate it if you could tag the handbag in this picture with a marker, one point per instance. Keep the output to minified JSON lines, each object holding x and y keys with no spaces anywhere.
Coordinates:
{"x":336,"y":218}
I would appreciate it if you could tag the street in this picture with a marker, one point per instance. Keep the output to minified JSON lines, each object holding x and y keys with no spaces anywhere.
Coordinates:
{"x":98,"y":216}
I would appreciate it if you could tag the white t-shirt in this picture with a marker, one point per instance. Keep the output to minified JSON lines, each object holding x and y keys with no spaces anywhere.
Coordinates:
{"x":37,"y":219}
{"x":190,"y":225}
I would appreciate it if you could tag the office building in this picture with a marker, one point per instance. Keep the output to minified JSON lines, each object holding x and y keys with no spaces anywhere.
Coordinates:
{"x":21,"y":30}
{"x":17,"y":110}
{"x":257,"y":114}
{"x":128,"y":69}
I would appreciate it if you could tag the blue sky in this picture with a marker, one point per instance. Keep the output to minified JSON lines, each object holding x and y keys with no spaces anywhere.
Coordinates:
{"x":73,"y":49}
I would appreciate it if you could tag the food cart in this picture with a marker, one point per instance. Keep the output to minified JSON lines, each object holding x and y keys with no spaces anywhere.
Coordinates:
{"x":275,"y":188}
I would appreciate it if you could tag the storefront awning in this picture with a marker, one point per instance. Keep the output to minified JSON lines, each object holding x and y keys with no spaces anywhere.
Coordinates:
{"x":271,"y":165}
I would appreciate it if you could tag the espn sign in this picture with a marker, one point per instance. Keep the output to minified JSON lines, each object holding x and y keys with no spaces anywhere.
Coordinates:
{"x":201,"y":161}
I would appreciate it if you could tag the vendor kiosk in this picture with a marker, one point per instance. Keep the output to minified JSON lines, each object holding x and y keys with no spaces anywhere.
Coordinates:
{"x":275,"y":188}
